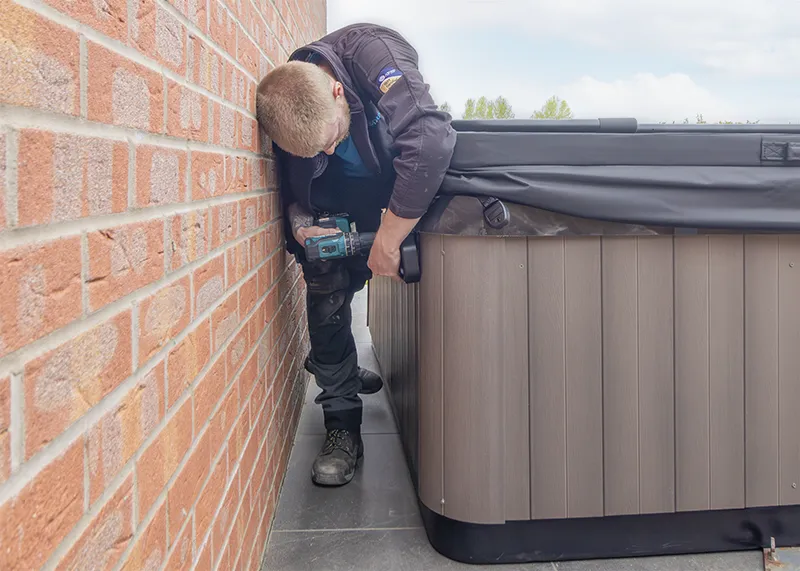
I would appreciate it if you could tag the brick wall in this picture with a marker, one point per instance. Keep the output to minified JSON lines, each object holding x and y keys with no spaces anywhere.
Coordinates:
{"x":152,"y":329}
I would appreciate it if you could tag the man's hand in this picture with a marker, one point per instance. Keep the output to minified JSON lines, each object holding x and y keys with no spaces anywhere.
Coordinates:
{"x":304,"y":232}
{"x":303,"y":225}
{"x":384,"y":257}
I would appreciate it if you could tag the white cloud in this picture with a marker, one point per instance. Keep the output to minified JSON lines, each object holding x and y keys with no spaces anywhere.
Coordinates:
{"x":741,"y":37}
{"x":647,"y":97}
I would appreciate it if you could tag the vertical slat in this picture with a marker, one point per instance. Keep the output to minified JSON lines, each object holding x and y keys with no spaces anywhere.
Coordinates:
{"x":789,"y":367}
{"x":656,"y":376}
{"x":547,"y":378}
{"x":726,"y":366}
{"x":516,"y":461}
{"x":413,"y":433}
{"x":761,"y":370}
{"x":584,"y":358}
{"x":691,"y":374}
{"x":620,"y":377}
{"x":431,"y":411}
{"x":473,"y":383}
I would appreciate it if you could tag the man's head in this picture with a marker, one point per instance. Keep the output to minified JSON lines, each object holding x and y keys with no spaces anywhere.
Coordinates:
{"x":303,"y":109}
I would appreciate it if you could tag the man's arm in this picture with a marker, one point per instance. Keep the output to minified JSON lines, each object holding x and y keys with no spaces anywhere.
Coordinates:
{"x":386,"y":66}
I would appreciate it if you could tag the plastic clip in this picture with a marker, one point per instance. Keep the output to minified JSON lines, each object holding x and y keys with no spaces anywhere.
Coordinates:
{"x":495,"y":212}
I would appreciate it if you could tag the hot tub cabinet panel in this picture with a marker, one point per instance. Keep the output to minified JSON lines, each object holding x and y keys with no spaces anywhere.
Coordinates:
{"x":565,"y":378}
{"x":615,"y":370}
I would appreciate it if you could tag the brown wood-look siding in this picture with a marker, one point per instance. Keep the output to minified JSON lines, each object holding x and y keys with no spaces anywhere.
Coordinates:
{"x":598,"y":375}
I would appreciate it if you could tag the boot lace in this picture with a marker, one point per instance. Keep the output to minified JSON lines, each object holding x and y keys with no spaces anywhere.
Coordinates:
{"x":338,"y":439}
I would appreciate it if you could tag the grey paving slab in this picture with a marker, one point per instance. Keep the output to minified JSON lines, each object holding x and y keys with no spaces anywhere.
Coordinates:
{"x":379,"y":496}
{"x":409,"y":550}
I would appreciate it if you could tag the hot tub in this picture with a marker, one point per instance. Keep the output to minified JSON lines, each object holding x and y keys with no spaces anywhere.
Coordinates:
{"x":612,"y":369}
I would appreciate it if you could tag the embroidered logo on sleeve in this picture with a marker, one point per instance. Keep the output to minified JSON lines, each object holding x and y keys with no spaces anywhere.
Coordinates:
{"x":388,"y":77}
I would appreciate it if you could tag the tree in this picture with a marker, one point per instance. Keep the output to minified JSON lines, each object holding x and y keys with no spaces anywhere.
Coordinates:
{"x":554,"y":108}
{"x":445,"y":107}
{"x":485,"y":108}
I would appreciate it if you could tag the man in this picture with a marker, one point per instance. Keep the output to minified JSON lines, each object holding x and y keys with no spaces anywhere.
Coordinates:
{"x":354,"y":131}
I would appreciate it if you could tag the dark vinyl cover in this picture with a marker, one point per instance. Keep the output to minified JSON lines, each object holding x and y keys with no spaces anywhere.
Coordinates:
{"x":737,"y":177}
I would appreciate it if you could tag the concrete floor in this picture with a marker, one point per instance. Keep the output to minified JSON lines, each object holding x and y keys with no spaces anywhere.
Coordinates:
{"x":373,"y":523}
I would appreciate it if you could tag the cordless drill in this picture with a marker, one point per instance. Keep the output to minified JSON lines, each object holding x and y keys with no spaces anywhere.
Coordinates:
{"x":344,"y":244}
{"x":349,"y":242}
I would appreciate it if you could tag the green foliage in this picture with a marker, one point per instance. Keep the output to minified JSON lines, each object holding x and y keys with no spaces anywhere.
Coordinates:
{"x":445,"y":107}
{"x":554,"y":108}
{"x":485,"y":108}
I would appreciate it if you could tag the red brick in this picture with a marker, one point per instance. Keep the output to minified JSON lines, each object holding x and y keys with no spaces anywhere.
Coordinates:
{"x":264,"y":278}
{"x":248,"y":294}
{"x":5,"y":422}
{"x":116,"y":437}
{"x":183,"y":553}
{"x":224,"y":224}
{"x":237,"y":350}
{"x":208,"y":66}
{"x":187,"y":360}
{"x":107,"y":536}
{"x":108,"y":17}
{"x":66,"y":177}
{"x":238,"y":173}
{"x":238,"y":258}
{"x":159,"y":35}
{"x":208,"y":175}
{"x":187,"y":486}
{"x":160,"y":460}
{"x":160,"y":176}
{"x":30,"y":44}
{"x":249,"y":376}
{"x":247,"y":54}
{"x":124,"y":93}
{"x":209,"y":499}
{"x":250,"y":212}
{"x":62,"y":385}
{"x":258,"y":249}
{"x":124,"y":259}
{"x":222,"y":525}
{"x":209,"y":283}
{"x":36,"y":520}
{"x":42,"y":285}
{"x":226,"y":126}
{"x":249,"y":133}
{"x":204,"y":559}
{"x":208,"y":392}
{"x":188,"y":238}
{"x":224,"y":418}
{"x":162,"y":316}
{"x":224,"y":321}
{"x":258,"y":178}
{"x":187,"y":113}
{"x":194,"y":11}
{"x":223,"y":27}
{"x":151,"y":547}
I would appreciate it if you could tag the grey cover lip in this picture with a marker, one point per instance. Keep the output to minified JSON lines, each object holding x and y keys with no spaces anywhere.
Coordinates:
{"x":714,"y":177}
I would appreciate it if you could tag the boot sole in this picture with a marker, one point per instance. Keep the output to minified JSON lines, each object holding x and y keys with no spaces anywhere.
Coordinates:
{"x":332,"y":481}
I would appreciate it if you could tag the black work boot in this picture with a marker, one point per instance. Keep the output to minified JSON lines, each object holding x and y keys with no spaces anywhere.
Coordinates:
{"x":371,"y":382}
{"x":336,"y":463}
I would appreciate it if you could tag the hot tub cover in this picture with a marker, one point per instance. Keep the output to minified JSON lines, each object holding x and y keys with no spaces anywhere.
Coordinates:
{"x":645,"y":177}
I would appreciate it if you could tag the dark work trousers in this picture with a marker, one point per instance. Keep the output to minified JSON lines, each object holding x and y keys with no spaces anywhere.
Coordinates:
{"x":331,"y":286}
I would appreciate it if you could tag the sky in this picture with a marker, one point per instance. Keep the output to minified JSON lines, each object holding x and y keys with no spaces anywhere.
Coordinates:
{"x":655,"y":60}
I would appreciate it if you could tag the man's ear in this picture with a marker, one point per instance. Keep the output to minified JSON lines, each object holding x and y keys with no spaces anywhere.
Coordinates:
{"x":338,"y":89}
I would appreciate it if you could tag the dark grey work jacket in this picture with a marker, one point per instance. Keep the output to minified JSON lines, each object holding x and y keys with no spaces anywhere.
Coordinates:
{"x":411,"y":136}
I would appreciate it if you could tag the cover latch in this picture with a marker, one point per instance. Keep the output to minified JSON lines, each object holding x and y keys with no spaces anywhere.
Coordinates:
{"x":495,"y":212}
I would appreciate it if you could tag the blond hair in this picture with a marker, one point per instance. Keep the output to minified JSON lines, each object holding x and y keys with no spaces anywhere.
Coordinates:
{"x":295,"y":106}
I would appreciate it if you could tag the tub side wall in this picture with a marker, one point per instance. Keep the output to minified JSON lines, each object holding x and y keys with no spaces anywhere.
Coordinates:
{"x":598,"y":376}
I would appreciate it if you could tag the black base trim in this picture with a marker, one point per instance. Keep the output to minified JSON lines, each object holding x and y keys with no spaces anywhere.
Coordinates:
{"x":614,"y":536}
